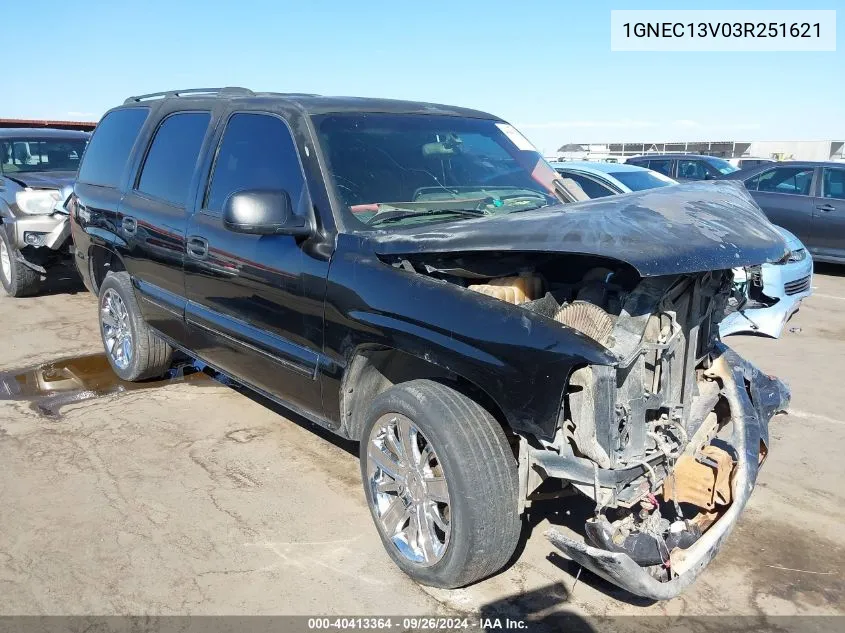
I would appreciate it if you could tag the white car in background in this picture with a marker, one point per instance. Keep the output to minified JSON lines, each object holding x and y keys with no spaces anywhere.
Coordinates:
{"x":606,"y":179}
{"x":772,"y":292}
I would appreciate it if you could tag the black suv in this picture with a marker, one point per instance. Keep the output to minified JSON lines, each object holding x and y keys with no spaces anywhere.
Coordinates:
{"x":406,"y":274}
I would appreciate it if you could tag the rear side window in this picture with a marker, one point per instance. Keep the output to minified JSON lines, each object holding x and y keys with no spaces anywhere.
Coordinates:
{"x":833,"y":183}
{"x":794,"y":180}
{"x":172,"y":157}
{"x":109,"y":148}
{"x":590,"y":186}
{"x":691,"y":169}
{"x":663,"y":166}
{"x":257,"y":152}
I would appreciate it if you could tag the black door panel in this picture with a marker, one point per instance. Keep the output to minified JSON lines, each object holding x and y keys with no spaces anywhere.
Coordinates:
{"x":152,"y":253}
{"x":240,"y":338}
{"x":162,"y":309}
{"x":253,"y":313}
{"x":153,"y":220}
{"x":255,"y":302}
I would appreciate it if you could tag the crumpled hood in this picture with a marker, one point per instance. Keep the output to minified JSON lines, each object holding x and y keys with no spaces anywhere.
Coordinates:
{"x":792,"y":241}
{"x":44,"y":179}
{"x":686,"y":228}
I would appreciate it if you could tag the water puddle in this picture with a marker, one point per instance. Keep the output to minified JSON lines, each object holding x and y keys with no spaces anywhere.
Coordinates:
{"x":50,"y":386}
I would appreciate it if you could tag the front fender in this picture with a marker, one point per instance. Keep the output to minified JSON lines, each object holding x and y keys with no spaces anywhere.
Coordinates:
{"x":520,"y":359}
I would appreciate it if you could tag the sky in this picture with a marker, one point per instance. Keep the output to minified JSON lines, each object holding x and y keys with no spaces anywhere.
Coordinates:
{"x":544,"y":66}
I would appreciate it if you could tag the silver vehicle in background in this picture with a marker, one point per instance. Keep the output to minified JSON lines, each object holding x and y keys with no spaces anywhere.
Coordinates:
{"x":37,"y":169}
{"x":772,"y":293}
{"x":767,"y":296}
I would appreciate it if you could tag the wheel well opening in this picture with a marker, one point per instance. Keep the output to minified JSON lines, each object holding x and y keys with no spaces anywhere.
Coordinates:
{"x":102,"y":262}
{"x":373,"y":371}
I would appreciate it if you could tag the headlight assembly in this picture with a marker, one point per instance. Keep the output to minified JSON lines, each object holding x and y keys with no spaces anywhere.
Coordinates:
{"x":797,"y":255}
{"x":37,"y":201}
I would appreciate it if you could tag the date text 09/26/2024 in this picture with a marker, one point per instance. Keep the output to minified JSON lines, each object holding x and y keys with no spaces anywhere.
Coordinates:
{"x":418,"y":623}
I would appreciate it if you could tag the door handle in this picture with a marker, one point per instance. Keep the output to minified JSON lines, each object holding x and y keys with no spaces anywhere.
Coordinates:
{"x":130,"y":225}
{"x":827,"y":208}
{"x":197,"y":247}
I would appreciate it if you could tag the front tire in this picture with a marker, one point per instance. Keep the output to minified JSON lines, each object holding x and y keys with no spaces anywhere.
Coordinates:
{"x":441,"y":483}
{"x":134,"y":351}
{"x":18,"y":280}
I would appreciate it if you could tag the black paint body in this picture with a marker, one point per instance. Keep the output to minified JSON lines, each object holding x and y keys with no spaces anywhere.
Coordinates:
{"x":288,"y":315}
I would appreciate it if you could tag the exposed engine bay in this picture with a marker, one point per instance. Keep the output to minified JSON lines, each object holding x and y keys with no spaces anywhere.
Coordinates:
{"x":652,"y":440}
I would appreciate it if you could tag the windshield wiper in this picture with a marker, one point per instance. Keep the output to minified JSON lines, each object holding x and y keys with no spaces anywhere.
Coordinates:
{"x":531,"y":207}
{"x":394,"y":215}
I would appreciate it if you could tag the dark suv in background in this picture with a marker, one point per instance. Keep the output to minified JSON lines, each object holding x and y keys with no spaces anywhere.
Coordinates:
{"x":407,"y":275}
{"x":684,"y":167}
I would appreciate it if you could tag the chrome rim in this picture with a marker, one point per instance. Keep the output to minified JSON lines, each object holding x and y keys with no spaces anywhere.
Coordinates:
{"x":408,"y":488}
{"x":5,"y":261}
{"x":117,"y":333}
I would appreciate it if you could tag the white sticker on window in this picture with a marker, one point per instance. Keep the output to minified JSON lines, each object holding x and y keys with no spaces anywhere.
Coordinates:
{"x":516,"y":138}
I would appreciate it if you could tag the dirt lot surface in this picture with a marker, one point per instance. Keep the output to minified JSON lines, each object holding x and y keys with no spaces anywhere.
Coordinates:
{"x":190,"y":497}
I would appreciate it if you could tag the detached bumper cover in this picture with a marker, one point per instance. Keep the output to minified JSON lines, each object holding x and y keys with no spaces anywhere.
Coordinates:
{"x":751,"y":410}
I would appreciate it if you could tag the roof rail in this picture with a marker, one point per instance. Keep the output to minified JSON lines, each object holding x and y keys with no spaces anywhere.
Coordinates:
{"x":229,"y":90}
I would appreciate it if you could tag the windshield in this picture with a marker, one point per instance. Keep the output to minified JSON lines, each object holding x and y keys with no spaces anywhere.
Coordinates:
{"x":400,"y":169}
{"x":723,"y":166}
{"x":35,"y":154}
{"x":639,"y":180}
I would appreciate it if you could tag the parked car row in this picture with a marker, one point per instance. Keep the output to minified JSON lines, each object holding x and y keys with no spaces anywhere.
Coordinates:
{"x":767,"y":298}
{"x":805,"y":197}
{"x":419,"y":279}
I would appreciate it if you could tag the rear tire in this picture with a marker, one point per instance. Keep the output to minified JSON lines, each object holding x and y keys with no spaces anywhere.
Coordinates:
{"x":134,"y":351}
{"x":471,"y":453}
{"x":18,"y":280}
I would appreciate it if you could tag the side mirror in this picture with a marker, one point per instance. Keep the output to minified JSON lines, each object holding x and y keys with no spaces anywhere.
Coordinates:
{"x":709,"y":176}
{"x":263,"y":212}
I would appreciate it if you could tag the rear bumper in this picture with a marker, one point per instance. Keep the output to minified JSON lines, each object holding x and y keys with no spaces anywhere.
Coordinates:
{"x":751,"y":409}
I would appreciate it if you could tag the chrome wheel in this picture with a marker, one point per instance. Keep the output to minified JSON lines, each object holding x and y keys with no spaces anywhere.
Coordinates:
{"x":117,"y":332}
{"x":5,"y":261}
{"x":408,"y":488}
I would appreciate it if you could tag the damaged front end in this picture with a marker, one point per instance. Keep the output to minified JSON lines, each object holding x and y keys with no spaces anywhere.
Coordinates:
{"x":667,"y":442}
{"x":666,"y":431}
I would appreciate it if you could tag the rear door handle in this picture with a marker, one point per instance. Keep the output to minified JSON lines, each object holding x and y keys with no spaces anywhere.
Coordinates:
{"x":130,"y":225}
{"x":826,"y":208}
{"x":197,"y":247}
